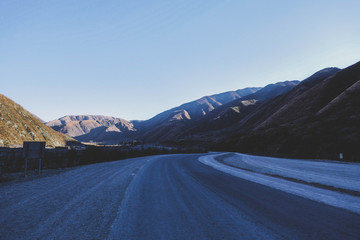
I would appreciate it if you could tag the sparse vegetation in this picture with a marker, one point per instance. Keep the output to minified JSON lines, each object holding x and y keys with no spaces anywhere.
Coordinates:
{"x":18,"y":125}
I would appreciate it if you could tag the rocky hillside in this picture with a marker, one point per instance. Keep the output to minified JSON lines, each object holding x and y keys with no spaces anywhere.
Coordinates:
{"x":18,"y":125}
{"x":94,"y":128}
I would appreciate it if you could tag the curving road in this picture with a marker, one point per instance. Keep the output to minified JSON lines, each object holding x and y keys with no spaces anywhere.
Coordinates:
{"x":162,"y":197}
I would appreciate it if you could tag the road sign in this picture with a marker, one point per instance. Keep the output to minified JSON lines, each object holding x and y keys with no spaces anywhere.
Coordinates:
{"x":33,"y":150}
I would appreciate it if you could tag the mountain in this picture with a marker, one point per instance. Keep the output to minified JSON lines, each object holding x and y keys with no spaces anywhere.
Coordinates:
{"x":272,"y":90}
{"x":198,"y":108}
{"x":318,"y":118}
{"x":224,"y":115}
{"x":94,"y":128}
{"x":271,"y":110}
{"x":18,"y":125}
{"x":171,"y":122}
{"x":226,"y":126}
{"x":235,"y":110}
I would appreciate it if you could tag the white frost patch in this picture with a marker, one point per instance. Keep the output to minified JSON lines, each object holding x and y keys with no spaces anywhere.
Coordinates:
{"x":331,"y":173}
{"x":331,"y":198}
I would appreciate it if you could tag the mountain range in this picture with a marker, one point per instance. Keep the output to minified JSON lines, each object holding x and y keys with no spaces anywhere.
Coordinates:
{"x":167,"y":125}
{"x":316,"y":117}
{"x":110,"y":130}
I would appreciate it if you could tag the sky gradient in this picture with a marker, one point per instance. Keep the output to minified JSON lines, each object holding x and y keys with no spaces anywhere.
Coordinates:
{"x":134,"y":59}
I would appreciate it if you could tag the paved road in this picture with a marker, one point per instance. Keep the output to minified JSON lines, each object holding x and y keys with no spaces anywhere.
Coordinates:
{"x":162,"y":197}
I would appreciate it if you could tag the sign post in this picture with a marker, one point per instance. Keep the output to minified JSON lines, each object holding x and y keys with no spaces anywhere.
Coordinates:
{"x":33,"y":150}
{"x":26,"y":161}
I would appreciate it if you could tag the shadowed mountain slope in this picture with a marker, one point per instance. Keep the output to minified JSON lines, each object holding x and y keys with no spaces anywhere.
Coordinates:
{"x":18,"y":125}
{"x":234,"y":111}
{"x":272,"y":90}
{"x":171,"y":122}
{"x":220,"y":117}
{"x":318,"y":118}
{"x":264,"y":111}
{"x":198,"y":108}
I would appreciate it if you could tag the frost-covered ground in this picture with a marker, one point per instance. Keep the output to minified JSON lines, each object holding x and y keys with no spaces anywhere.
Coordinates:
{"x":259,"y":169}
{"x":331,"y":173}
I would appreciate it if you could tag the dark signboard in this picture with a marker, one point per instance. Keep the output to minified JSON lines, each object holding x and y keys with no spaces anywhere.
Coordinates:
{"x":33,"y":149}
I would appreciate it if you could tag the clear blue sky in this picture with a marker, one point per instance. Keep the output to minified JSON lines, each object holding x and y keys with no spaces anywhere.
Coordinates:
{"x":134,"y":59}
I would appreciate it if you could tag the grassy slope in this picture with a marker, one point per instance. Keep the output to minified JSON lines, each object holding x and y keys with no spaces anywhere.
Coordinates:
{"x":18,"y":125}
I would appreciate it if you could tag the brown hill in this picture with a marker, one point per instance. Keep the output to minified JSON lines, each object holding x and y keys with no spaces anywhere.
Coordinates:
{"x":18,"y":125}
{"x":94,"y":128}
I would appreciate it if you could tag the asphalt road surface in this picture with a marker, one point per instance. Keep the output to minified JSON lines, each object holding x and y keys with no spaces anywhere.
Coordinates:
{"x":162,"y":197}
